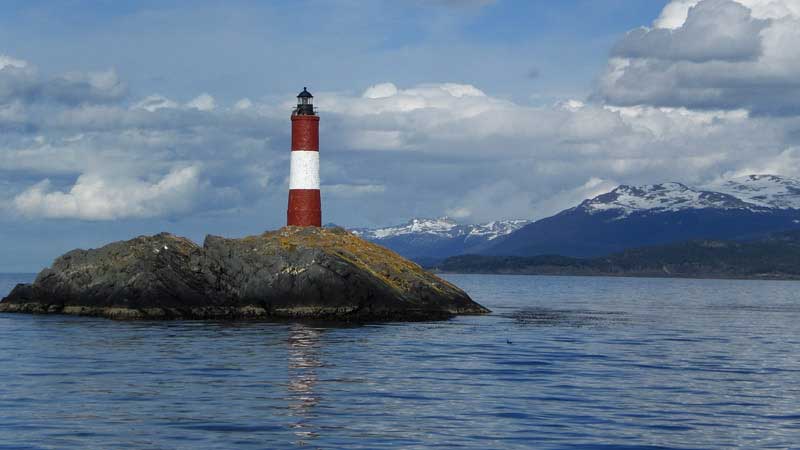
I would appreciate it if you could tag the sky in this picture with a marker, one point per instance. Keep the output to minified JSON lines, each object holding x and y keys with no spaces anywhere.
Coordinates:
{"x":119,"y":119}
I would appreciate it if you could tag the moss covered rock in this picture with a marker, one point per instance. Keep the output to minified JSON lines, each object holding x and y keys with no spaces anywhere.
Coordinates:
{"x":313,"y":273}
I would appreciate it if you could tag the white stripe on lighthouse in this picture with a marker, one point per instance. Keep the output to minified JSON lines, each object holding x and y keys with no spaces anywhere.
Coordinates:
{"x":304,"y":172}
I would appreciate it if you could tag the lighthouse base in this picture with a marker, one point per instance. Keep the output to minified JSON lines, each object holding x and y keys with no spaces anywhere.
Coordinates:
{"x":304,"y":208}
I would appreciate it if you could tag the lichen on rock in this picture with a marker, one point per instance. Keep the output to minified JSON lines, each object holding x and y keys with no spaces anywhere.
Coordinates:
{"x":294,"y":272}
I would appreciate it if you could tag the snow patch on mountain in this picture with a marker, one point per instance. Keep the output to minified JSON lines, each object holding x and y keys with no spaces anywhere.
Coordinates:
{"x":754,"y":193}
{"x":444,"y":227}
{"x":495,"y":229}
{"x":770,"y":191}
{"x":441,"y":227}
{"x":660,"y":198}
{"x":757,"y":193}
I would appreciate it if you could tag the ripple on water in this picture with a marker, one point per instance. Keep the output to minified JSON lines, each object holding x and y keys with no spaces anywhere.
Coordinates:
{"x":541,"y":316}
{"x":565,"y":363}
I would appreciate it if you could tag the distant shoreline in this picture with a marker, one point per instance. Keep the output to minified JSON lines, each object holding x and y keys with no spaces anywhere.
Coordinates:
{"x":629,"y":275}
{"x":773,"y":257}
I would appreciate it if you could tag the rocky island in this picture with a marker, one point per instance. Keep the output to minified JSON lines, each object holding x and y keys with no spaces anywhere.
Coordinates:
{"x":294,"y":272}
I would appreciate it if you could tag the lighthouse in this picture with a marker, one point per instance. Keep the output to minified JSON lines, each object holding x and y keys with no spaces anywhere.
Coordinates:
{"x":305,"y":206}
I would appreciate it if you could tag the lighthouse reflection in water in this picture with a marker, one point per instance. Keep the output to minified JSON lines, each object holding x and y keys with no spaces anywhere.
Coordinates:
{"x":304,"y":359}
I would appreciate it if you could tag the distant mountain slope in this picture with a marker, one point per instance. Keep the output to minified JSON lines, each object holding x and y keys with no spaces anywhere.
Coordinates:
{"x":667,"y":197}
{"x":769,"y":191}
{"x":636,"y":216}
{"x":776,"y":256}
{"x":435,"y":239}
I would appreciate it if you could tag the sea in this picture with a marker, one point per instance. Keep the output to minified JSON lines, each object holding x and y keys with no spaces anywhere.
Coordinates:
{"x":561,"y":363}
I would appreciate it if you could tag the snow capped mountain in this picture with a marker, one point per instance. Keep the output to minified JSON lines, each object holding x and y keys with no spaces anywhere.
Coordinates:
{"x":627,"y":217}
{"x":660,"y":198}
{"x":636,"y":216}
{"x":494,"y":229}
{"x":756,"y":193}
{"x":769,"y":191}
{"x":443,"y":227}
{"x":426,"y":240}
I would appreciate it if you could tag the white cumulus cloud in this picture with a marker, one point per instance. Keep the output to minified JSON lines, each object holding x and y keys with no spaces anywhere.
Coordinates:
{"x":393,"y":151}
{"x":676,"y":12}
{"x":711,"y":54}
{"x":102,"y":197}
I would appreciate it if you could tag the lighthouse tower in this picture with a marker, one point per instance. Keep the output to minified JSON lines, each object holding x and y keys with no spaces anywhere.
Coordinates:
{"x":305,"y":206}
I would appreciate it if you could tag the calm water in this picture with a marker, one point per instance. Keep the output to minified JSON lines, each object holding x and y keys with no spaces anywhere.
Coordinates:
{"x":562,"y":363}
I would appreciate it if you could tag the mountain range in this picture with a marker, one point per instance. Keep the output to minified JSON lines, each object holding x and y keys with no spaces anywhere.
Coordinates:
{"x":427,"y":240}
{"x":627,"y":217}
{"x":774,"y":256}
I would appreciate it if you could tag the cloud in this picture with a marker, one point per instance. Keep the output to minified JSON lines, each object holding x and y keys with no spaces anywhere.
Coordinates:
{"x":20,"y":81}
{"x":77,"y":88}
{"x":501,"y":199}
{"x":509,"y":160}
{"x":244,"y":103}
{"x":572,"y":196}
{"x":720,"y":30}
{"x":7,"y":61}
{"x":389,"y":151}
{"x":676,"y":12}
{"x":353,"y":190}
{"x":711,"y":54}
{"x":153,"y":103}
{"x":381,"y":90}
{"x":98,"y":197}
{"x":202,"y":102}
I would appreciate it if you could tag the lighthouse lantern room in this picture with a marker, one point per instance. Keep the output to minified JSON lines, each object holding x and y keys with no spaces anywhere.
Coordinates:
{"x":305,"y":103}
{"x":305,"y":206}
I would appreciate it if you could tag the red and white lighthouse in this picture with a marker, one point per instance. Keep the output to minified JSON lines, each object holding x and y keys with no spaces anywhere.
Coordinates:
{"x":305,"y":206}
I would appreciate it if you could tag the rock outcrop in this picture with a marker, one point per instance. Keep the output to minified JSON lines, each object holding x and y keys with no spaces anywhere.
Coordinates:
{"x":311,"y":273}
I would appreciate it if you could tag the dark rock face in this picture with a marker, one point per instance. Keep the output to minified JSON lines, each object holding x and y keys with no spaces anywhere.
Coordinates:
{"x":294,"y":272}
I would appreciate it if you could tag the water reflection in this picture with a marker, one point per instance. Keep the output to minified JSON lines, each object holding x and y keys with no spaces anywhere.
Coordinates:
{"x":304,"y":359}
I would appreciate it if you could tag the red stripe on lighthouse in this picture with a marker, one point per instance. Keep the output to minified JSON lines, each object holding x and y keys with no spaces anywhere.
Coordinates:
{"x":305,"y":205}
{"x":304,"y":208}
{"x":305,"y":133}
